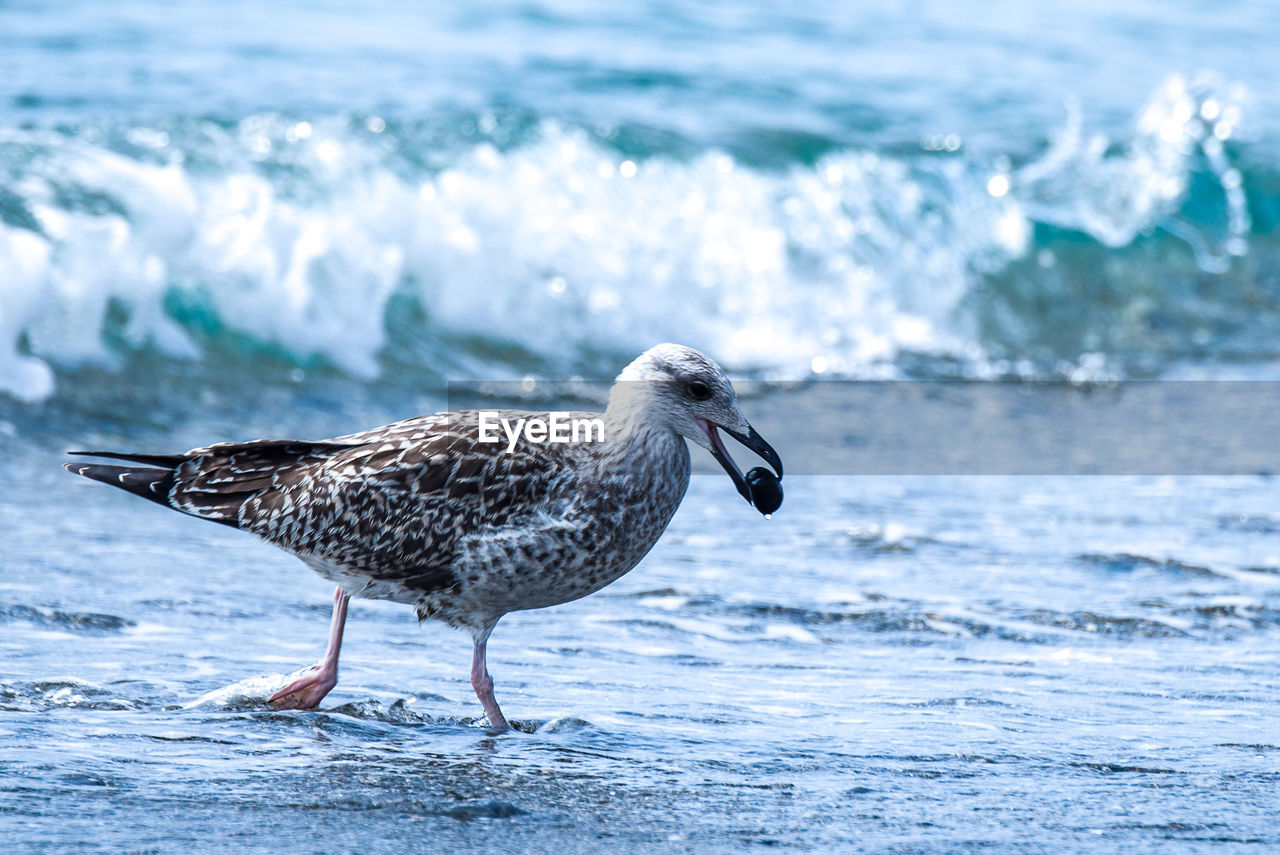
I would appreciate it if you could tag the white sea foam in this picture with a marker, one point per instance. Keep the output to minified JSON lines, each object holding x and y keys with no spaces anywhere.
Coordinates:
{"x":560,"y":244}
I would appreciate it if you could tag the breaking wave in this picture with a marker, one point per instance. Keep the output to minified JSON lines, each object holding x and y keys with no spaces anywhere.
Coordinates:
{"x":543,"y":248}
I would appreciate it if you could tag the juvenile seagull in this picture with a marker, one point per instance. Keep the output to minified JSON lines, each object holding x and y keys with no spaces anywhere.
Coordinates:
{"x":422,"y":512}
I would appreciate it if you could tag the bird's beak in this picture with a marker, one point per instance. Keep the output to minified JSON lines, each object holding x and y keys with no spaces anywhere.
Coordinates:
{"x":751,"y":440}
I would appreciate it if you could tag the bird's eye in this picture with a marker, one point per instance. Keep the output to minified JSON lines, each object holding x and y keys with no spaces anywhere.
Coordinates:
{"x":699,"y":391}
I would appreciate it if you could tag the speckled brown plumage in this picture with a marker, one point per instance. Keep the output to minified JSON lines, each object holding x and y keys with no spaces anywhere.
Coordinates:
{"x":422,"y":512}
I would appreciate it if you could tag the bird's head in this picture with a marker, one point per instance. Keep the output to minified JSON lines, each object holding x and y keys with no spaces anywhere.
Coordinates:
{"x":681,"y":389}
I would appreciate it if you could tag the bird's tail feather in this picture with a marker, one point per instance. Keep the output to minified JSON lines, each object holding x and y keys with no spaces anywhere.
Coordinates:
{"x":153,"y":484}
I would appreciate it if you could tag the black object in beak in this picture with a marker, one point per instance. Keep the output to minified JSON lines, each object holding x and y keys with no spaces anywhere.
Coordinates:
{"x":751,"y":440}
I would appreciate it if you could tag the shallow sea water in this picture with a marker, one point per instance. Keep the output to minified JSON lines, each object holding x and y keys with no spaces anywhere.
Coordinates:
{"x":889,"y":664}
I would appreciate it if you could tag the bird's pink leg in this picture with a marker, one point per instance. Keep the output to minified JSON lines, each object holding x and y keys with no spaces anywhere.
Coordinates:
{"x":483,"y":684}
{"x":306,"y":692}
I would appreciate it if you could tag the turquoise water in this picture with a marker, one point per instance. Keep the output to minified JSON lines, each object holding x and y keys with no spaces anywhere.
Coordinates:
{"x":501,"y":191}
{"x":229,"y":221}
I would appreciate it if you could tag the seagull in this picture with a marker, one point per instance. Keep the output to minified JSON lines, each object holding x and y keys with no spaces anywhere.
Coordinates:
{"x":432,"y":513}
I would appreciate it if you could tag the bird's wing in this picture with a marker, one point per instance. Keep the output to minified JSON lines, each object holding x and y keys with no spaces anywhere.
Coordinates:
{"x":394,"y":503}
{"x":216,"y":481}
